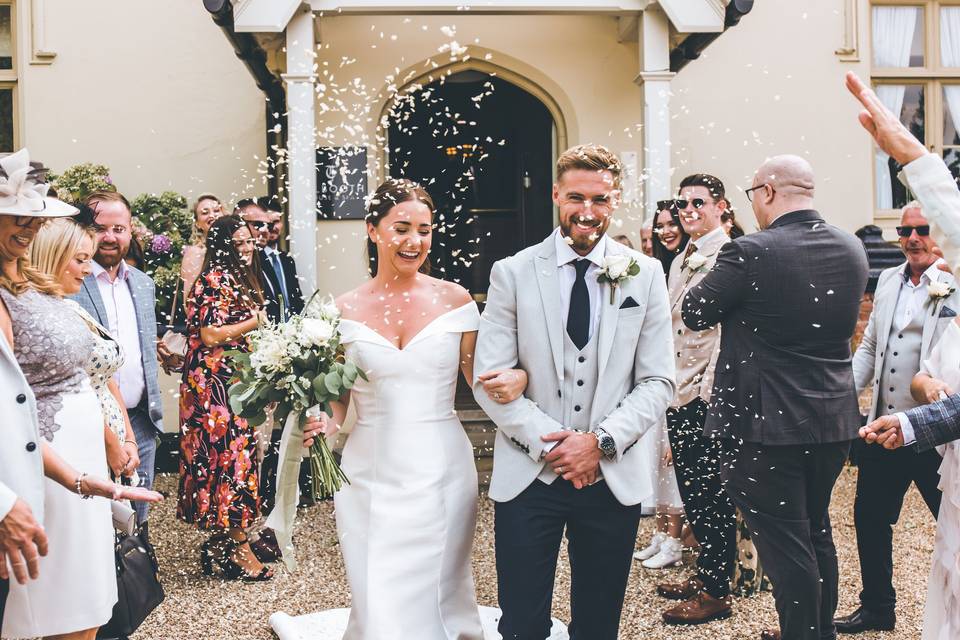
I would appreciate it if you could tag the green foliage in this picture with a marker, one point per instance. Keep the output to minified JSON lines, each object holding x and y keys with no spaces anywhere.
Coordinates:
{"x":163,"y":225}
{"x":79,"y":181}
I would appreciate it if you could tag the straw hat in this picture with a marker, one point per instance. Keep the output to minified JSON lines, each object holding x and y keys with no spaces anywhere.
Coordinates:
{"x":23,"y":190}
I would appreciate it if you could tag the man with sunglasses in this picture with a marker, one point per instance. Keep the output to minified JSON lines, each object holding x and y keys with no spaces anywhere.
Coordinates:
{"x":906,"y":323}
{"x":784,"y":401}
{"x":696,"y":456}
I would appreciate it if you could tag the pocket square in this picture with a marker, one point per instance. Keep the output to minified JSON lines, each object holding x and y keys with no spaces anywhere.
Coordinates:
{"x":947,"y":312}
{"x":630,"y":303}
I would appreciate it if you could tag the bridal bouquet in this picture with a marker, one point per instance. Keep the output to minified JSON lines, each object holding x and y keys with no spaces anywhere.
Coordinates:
{"x":295,"y":366}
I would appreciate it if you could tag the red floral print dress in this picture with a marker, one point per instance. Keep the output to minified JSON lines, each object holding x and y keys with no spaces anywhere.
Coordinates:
{"x":219,"y":474}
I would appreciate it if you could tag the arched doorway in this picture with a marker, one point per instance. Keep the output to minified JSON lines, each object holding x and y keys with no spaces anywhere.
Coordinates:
{"x":483,"y":148}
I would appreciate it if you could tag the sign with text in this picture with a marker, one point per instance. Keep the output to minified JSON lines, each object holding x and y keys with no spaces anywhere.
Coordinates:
{"x":341,"y":183}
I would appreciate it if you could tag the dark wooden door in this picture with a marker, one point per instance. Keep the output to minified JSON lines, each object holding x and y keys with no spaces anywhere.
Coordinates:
{"x":482,"y":148}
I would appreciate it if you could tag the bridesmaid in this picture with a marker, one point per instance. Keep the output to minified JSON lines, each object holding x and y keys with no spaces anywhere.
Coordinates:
{"x":76,"y":588}
{"x":218,"y":450}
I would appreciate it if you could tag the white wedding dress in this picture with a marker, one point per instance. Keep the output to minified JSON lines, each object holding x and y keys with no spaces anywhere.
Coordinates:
{"x":406,"y":521}
{"x":941,"y":619}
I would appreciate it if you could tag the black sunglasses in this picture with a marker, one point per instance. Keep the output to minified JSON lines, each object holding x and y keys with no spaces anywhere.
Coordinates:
{"x":25,"y":221}
{"x":697,"y":203}
{"x":666,"y":205}
{"x":906,"y":231}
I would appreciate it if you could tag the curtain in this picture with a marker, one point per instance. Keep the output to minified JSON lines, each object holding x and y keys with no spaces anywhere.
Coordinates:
{"x":893,"y":29}
{"x":950,"y":57}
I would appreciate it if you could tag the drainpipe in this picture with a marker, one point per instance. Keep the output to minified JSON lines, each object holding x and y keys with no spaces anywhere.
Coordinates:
{"x":695,"y":43}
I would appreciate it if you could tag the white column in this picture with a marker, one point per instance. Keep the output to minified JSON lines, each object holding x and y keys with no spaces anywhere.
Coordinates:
{"x":654,"y":79}
{"x":301,"y":147}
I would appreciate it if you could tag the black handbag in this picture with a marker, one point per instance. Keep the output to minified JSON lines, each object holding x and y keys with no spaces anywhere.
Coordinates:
{"x":138,"y":586}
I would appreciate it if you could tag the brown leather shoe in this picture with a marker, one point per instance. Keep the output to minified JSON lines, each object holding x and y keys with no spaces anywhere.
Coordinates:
{"x":770,"y":634}
{"x":680,"y":590}
{"x":699,"y":609}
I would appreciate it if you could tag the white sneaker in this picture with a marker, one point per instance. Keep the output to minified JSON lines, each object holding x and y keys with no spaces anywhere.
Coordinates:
{"x":654,"y":547}
{"x":670,"y":555}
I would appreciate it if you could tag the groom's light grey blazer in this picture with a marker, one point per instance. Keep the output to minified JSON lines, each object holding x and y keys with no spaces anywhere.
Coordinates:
{"x":522,"y":326}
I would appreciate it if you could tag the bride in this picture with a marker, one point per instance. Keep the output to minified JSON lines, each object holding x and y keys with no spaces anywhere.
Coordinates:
{"x":406,"y":521}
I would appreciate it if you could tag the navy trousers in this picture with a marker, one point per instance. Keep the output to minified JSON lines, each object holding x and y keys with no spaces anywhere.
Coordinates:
{"x":601,"y":534}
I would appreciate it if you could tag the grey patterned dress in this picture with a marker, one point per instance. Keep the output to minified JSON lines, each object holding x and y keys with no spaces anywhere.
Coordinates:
{"x":53,"y":346}
{"x":77,"y":587}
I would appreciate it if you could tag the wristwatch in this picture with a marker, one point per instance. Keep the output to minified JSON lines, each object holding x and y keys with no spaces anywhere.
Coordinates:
{"x":606,"y":443}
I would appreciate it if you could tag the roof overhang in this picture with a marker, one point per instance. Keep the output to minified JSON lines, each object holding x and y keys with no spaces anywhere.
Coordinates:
{"x":272,"y":16}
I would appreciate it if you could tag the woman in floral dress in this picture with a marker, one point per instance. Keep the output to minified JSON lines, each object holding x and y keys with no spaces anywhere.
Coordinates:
{"x":219,"y":474}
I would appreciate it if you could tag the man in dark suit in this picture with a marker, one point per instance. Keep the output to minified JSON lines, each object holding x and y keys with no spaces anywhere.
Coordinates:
{"x":784,"y":401}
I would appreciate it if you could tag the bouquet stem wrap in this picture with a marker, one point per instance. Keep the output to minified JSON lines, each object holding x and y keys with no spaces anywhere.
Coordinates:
{"x":284,"y":512}
{"x":326,"y":474}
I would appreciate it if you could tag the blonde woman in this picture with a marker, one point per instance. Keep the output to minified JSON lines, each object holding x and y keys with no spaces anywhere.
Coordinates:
{"x":64,"y":250}
{"x":207,"y":209}
{"x":76,"y":586}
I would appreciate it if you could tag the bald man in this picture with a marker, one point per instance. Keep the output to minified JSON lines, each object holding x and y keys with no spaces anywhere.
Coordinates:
{"x":784,"y":402}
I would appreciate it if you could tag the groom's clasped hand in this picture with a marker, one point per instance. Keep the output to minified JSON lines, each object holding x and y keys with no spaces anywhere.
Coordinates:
{"x":575,"y":457}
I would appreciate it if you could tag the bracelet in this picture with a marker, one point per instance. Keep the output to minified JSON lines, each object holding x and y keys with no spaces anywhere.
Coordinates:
{"x":79,"y":486}
{"x":133,"y":442}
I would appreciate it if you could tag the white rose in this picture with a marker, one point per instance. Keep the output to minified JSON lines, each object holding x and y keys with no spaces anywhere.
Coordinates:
{"x":316,"y":332}
{"x":938,"y":289}
{"x":616,"y":266}
{"x":696,"y":261}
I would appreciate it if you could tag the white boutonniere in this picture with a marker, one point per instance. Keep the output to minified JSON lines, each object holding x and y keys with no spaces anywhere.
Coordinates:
{"x":615,"y":270}
{"x":938,"y":291}
{"x":695,"y":262}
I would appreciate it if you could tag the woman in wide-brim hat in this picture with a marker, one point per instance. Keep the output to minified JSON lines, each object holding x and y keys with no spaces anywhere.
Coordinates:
{"x":76,"y":588}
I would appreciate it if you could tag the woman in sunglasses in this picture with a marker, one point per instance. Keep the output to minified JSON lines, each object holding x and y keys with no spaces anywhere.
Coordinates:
{"x":669,"y":238}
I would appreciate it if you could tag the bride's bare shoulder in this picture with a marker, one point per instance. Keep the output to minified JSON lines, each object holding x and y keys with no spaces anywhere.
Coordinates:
{"x":449,"y":294}
{"x":352,"y":302}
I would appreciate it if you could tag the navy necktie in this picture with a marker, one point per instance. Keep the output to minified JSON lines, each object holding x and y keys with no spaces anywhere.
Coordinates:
{"x":278,"y":269}
{"x":578,"y":316}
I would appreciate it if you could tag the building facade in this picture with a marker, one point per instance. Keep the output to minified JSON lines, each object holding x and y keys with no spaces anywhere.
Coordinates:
{"x":318,"y":101}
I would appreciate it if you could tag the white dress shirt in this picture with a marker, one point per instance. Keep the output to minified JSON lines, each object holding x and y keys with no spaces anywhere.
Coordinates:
{"x":122,"y":323}
{"x":568,"y":275}
{"x":913,"y":297}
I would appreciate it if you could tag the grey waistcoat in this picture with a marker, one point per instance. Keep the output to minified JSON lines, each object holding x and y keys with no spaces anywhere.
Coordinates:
{"x":577,"y":398}
{"x":901,"y":361}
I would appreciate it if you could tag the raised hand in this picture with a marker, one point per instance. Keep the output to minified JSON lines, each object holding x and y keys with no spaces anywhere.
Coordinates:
{"x":22,"y":541}
{"x":884,"y":431}
{"x":885,"y":127}
{"x":504,"y":386}
{"x":576,"y":458}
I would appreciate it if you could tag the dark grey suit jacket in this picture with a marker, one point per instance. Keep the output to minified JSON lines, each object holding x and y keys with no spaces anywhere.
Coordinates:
{"x":936,"y":423}
{"x":787,"y":299}
{"x":143,"y":292}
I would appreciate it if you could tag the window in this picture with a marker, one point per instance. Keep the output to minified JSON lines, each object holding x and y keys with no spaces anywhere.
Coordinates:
{"x":916,"y":73}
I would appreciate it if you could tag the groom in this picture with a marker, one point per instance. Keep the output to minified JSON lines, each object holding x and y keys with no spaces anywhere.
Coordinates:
{"x":594,"y":339}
